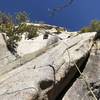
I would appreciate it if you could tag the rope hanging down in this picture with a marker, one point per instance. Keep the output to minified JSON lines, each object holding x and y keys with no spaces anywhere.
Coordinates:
{"x":81,"y":74}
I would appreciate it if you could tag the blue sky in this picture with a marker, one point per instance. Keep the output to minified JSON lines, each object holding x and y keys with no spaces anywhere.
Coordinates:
{"x":79,"y":14}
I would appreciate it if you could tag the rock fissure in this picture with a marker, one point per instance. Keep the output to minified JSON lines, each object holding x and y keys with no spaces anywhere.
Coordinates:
{"x":77,"y":75}
{"x":49,"y":67}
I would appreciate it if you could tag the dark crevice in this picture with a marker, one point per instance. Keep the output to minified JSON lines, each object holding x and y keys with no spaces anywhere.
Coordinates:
{"x":45,"y":84}
{"x":77,"y":75}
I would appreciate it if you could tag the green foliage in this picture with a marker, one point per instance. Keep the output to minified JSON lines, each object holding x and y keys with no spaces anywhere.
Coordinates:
{"x":32,"y":32}
{"x":12,"y":44}
{"x":85,"y":29}
{"x":5,"y":18}
{"x":93,"y":27}
{"x":14,"y":32}
{"x":58,"y":30}
{"x":22,"y":17}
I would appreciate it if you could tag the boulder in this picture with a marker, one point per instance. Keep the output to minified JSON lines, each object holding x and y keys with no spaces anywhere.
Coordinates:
{"x":46,"y":76}
{"x":5,"y":56}
{"x":28,"y":50}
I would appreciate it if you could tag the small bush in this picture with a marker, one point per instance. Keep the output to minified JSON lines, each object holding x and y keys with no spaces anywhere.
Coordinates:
{"x":85,"y":29}
{"x":93,"y":27}
{"x":22,"y":17}
{"x":14,"y":32}
{"x":32,"y":32}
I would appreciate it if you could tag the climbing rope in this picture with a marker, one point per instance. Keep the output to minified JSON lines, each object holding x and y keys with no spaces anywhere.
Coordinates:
{"x":82,"y":75}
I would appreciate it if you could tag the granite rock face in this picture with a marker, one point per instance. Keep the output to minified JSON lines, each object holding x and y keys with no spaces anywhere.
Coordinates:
{"x":80,"y":90}
{"x":46,"y":75}
{"x":5,"y":55}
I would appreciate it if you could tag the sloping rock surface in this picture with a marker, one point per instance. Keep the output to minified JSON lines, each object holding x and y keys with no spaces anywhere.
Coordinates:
{"x":45,"y":76}
{"x":5,"y":56}
{"x":80,"y":90}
